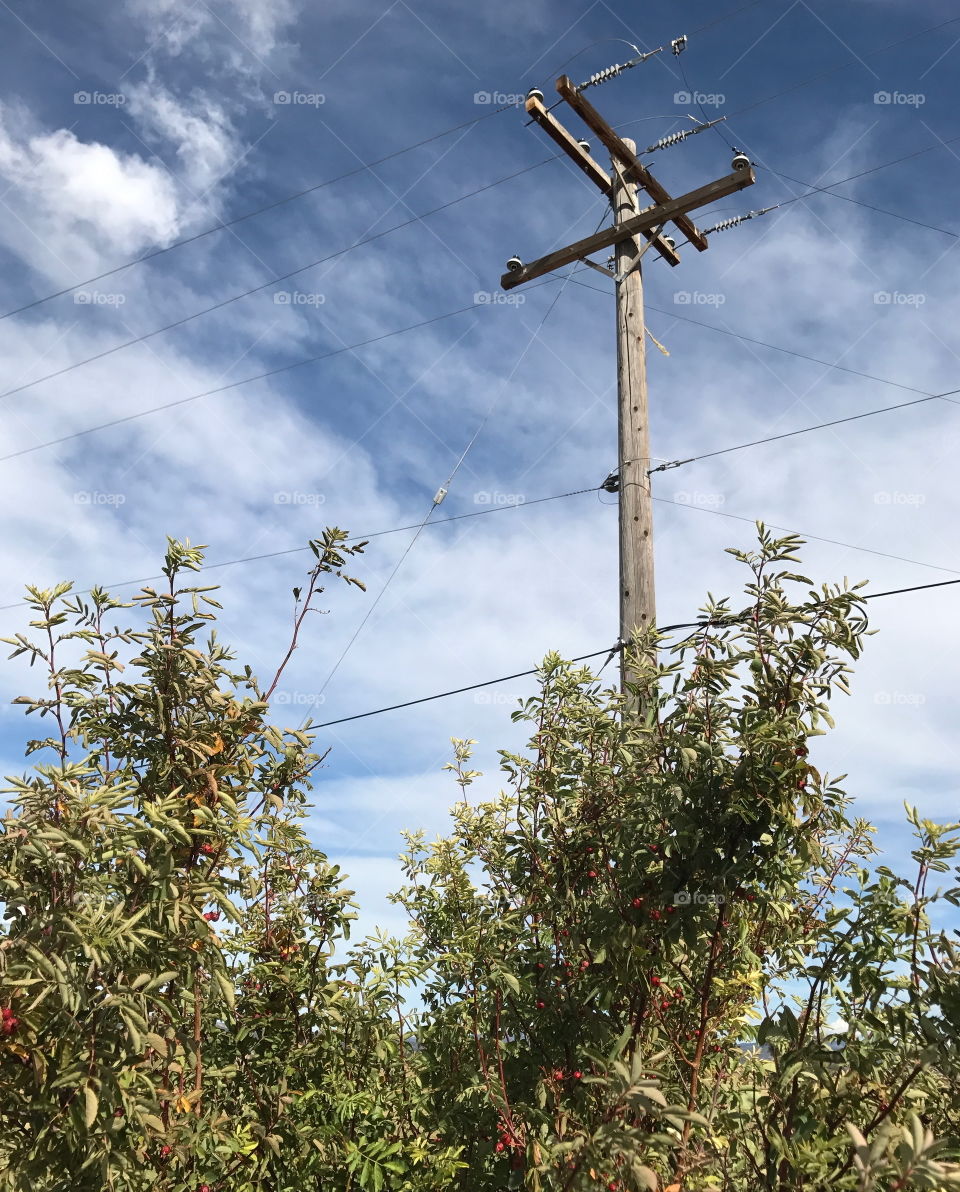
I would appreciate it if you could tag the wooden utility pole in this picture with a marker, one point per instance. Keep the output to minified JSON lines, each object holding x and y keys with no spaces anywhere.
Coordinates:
{"x":637,"y":595}
{"x":629,"y":177}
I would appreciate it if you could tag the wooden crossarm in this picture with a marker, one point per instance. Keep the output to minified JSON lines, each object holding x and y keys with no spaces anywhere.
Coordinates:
{"x":651,"y":218}
{"x":593,"y":170}
{"x":616,"y":147}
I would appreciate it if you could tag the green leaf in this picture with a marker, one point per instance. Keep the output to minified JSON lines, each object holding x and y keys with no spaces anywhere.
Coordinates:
{"x":91,"y":1105}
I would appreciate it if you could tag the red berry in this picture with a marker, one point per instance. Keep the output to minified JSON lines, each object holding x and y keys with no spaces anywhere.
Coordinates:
{"x":577,"y":1074}
{"x":591,"y":873}
{"x":212,"y":916}
{"x":590,"y":848}
{"x":584,"y":964}
{"x":9,"y":1025}
{"x":541,"y":1005}
{"x":654,"y":980}
{"x":539,"y":965}
{"x":164,"y":1151}
{"x":654,"y":914}
{"x":671,"y":910}
{"x":558,"y":1074}
{"x":638,"y":902}
{"x":665,"y":1004}
{"x":207,"y":849}
{"x":653,"y":848}
{"x":499,"y":1146}
{"x":750,"y":898}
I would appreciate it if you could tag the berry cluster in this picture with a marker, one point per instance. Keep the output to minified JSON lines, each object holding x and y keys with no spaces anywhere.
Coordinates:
{"x":8,"y":1021}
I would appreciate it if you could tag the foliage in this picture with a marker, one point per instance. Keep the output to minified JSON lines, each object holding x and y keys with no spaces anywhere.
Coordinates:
{"x":609,"y":999}
{"x":663,"y":958}
{"x":173,"y":1018}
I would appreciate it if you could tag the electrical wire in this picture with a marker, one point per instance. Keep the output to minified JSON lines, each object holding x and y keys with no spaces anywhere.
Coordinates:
{"x":230,"y":223}
{"x":77,"y":434}
{"x":807,"y":537}
{"x":446,"y":486}
{"x":761,"y":343}
{"x":299,"y":550}
{"x":702,"y":624}
{"x":805,"y":430}
{"x":273,"y":280}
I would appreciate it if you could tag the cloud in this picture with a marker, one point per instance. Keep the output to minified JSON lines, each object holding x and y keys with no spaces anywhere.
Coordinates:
{"x":79,"y":199}
{"x":198,"y":129}
{"x":233,"y":37}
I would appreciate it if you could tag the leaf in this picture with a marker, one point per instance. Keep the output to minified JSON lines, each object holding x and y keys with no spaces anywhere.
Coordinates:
{"x":226,"y":987}
{"x":90,"y":1107}
{"x":157,"y":1042}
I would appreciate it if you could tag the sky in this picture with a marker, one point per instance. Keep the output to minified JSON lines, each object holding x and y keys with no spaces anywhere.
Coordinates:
{"x":128,"y":129}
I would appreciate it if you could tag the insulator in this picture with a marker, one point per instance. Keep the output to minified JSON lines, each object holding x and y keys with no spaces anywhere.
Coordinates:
{"x":736,"y":220}
{"x":674,"y":138}
{"x":601,"y":76}
{"x":729,"y":223}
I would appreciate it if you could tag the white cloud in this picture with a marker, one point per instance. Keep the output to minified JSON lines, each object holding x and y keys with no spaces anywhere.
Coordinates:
{"x":198,"y":129}
{"x":79,"y":199}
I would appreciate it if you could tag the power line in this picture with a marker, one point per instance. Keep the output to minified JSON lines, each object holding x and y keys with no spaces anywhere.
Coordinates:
{"x":312,"y":189}
{"x":808,"y":537}
{"x":229,"y":223}
{"x":297,"y":550}
{"x":761,"y":343}
{"x":442,"y":492}
{"x":248,"y":380}
{"x":679,"y":463}
{"x":703,"y":624}
{"x":235,"y":384}
{"x":940,"y":144}
{"x":860,"y":203}
{"x":273,"y":280}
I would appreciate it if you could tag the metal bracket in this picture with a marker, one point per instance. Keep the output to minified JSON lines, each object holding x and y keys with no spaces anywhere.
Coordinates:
{"x":599,"y":268}
{"x":619,"y":277}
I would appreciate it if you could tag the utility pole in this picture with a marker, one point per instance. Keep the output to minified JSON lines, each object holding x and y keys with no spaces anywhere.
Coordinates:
{"x":628,"y":178}
{"x":637,"y":595}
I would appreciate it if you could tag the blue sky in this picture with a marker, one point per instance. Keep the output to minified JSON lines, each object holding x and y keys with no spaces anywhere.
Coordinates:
{"x":125,"y":130}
